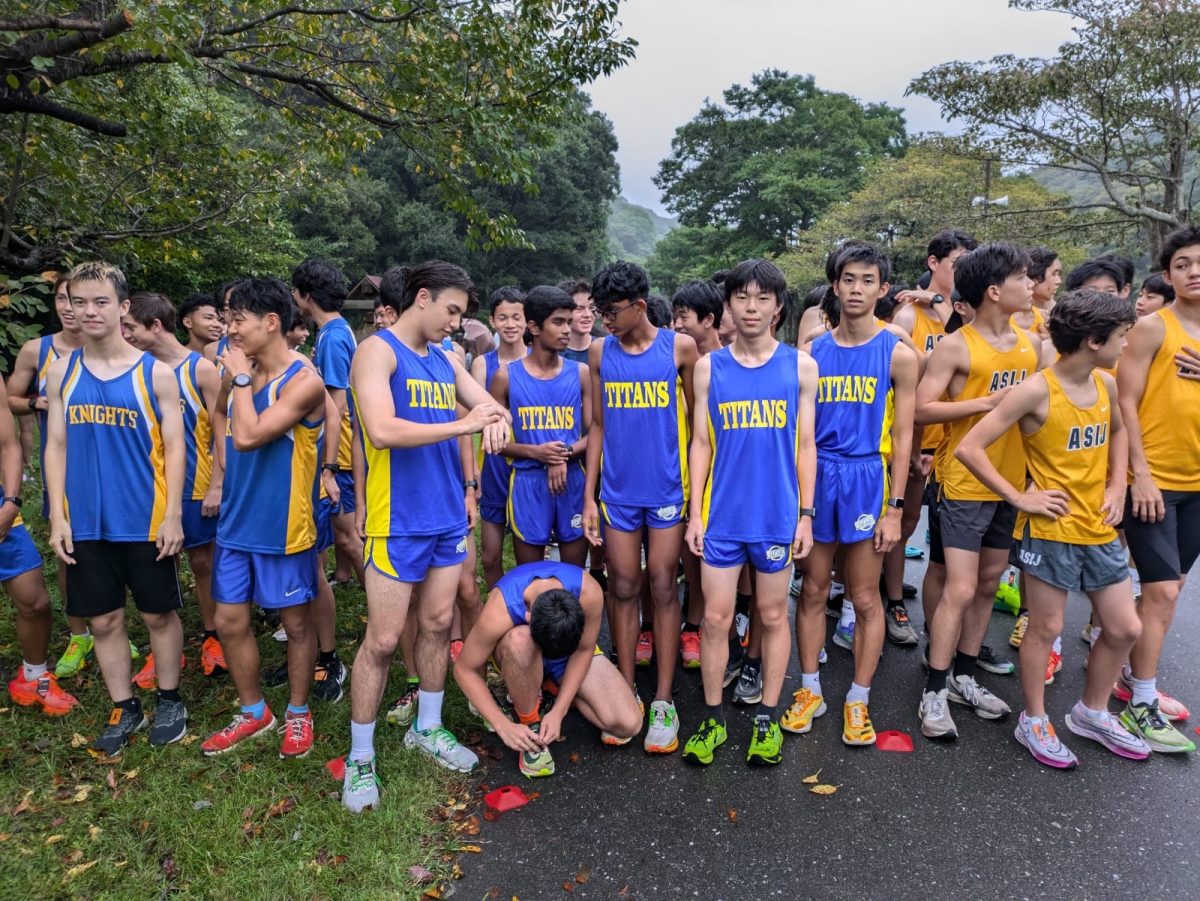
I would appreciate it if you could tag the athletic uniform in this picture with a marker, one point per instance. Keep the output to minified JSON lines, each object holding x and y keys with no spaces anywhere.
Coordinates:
{"x":545,"y":410}
{"x":416,"y":513}
{"x":754,"y":435}
{"x":495,"y":470}
{"x":854,"y":415}
{"x":512,"y":586}
{"x":198,"y":530}
{"x":643,"y":471}
{"x":1169,"y":414}
{"x":575,"y":356}
{"x":116,"y":491}
{"x":927,"y":331}
{"x":267,"y":531}
{"x":972,"y":515}
{"x":333,"y":352}
{"x":17,"y":551}
{"x":1076,"y":552}
{"x":47,"y":354}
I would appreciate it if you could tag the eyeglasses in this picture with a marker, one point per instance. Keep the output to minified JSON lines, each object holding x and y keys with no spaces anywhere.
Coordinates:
{"x":609,"y":313}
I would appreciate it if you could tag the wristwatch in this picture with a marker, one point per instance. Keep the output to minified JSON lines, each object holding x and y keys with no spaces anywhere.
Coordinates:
{"x":15,"y":501}
{"x":33,"y":403}
{"x":330,"y":467}
{"x":470,"y":483}
{"x":897,"y":502}
{"x":810,"y":512}
{"x":936,"y":299}
{"x":241,"y":380}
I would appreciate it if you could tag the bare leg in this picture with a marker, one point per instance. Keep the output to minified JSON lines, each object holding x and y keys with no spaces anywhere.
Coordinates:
{"x":810,"y":612}
{"x":348,"y":548}
{"x":624,"y":586}
{"x":992,"y":562}
{"x":1116,"y":614}
{"x":301,"y":652}
{"x":520,"y":662}
{"x":661,"y":567}
{"x":387,"y":611}
{"x":1046,"y":606}
{"x":200,"y":559}
{"x":1157,"y":610}
{"x":434,"y":613}
{"x":606,"y":701}
{"x":241,"y":651}
{"x":493,"y":553}
{"x":324,"y":615}
{"x":863,"y":564}
{"x":720,"y":595}
{"x":893,"y":562}
{"x":29,"y":595}
{"x":774,"y":641}
{"x":112,"y":654}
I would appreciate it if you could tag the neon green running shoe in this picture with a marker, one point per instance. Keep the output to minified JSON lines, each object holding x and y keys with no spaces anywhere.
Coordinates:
{"x":74,"y":659}
{"x":704,"y":743}
{"x":1146,"y":720}
{"x":1008,"y":597}
{"x":766,"y":742}
{"x":534,"y":764}
{"x":134,"y":653}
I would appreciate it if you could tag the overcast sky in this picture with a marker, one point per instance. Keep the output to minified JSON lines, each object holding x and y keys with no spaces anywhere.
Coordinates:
{"x":692,"y":49}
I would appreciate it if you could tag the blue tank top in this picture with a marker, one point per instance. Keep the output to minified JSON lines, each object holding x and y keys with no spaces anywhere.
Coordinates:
{"x":513,"y":583}
{"x":854,"y":396}
{"x":644,"y":458}
{"x":752,"y":428}
{"x":116,"y":485}
{"x":47,"y":354}
{"x":197,"y":430}
{"x":268,"y":500}
{"x":416,"y":490}
{"x":494,"y":469}
{"x":544,"y":410}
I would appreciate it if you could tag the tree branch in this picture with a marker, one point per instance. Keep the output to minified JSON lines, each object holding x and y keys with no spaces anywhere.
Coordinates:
{"x":64,"y":46}
{"x":13,"y":102}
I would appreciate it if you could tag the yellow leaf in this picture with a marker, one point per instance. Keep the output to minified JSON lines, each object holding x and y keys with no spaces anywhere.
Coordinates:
{"x":94,"y":832}
{"x":823,"y":789}
{"x":811,"y":780}
{"x":78,"y":741}
{"x":54,"y":839}
{"x":473,"y":849}
{"x":189,"y":740}
{"x":81,"y":868}
{"x":121,"y":864}
{"x":5,"y":836}
{"x":132,"y":774}
{"x":82,"y":794}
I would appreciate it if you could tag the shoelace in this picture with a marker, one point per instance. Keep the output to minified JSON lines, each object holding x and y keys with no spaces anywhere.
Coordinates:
{"x":294,"y":728}
{"x":900,"y":615}
{"x":362,"y":776}
{"x":1044,"y":732}
{"x":762,"y":728}
{"x":232,"y":728}
{"x":1154,"y":716}
{"x":858,"y":716}
{"x":937,"y":707}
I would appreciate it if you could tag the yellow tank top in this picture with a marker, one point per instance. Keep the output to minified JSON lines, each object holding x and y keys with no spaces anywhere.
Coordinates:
{"x":990,"y":371}
{"x":1070,"y":452}
{"x":928,"y":331}
{"x":1169,"y":413}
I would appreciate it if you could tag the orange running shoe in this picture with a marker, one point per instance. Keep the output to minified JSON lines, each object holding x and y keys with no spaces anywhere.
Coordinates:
{"x":1053,"y":665}
{"x":212,"y":657}
{"x":43,"y":690}
{"x":689,"y":649}
{"x":645,"y":647}
{"x":147,"y":677}
{"x":455,"y":649}
{"x":297,"y":736}
{"x":243,"y":728}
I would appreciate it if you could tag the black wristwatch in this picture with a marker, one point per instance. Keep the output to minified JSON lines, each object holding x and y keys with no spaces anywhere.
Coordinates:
{"x":241,"y":380}
{"x":936,"y":299}
{"x":330,"y":467}
{"x":897,"y":502}
{"x":470,"y":483}
{"x":33,"y":403}
{"x":15,"y":501}
{"x":810,"y":512}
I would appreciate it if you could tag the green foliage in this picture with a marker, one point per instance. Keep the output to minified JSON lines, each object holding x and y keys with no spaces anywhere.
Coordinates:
{"x":23,"y":302}
{"x":634,"y":230}
{"x":689,"y":254}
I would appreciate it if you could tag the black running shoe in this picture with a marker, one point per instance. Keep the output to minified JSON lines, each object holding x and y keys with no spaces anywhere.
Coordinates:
{"x":910,"y":591}
{"x":170,"y":723}
{"x":272,"y":678}
{"x":328,"y":681}
{"x":122,"y":724}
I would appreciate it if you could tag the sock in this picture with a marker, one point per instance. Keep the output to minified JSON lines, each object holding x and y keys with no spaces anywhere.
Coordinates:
{"x":35,"y":671}
{"x":528,"y":719}
{"x":293,"y":710}
{"x":169,"y":694}
{"x":257,"y":711}
{"x":429,"y":710}
{"x":894,"y":603}
{"x":324,"y":658}
{"x":716,"y":712}
{"x":411,"y":681}
{"x":858,"y":693}
{"x":362,"y":741}
{"x":1145,"y":691}
{"x":133,"y":705}
{"x":964,"y":665}
{"x":691,"y":627}
{"x":86,"y":632}
{"x":811,"y":681}
{"x":847,"y":610}
{"x":752,"y":662}
{"x":1096,"y":716}
{"x":937,"y":679}
{"x":742,"y":603}
{"x":1057,"y":646}
{"x":770,"y":711}
{"x":1024,"y":611}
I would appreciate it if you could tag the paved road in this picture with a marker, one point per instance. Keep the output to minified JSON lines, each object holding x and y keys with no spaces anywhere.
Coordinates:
{"x":976,"y":819}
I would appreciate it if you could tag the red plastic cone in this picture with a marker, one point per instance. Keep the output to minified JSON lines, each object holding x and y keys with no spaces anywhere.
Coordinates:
{"x":506,"y":797}
{"x":337,"y":768}
{"x":894,"y":741}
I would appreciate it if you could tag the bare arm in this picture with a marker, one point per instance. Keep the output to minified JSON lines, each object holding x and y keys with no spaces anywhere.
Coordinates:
{"x":10,"y":465}
{"x":1118,"y":458}
{"x":250,"y":429}
{"x":595,"y":444}
{"x":686,"y":356}
{"x":948,"y":359}
{"x":1143,"y":343}
{"x":904,"y":388}
{"x":21,"y":385}
{"x":806,"y":451}
{"x":699,"y":455}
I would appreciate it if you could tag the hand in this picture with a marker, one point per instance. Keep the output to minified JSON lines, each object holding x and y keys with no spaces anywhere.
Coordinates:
{"x":915,"y":295}
{"x":61,"y":541}
{"x":926,"y":465}
{"x":1147,"y":499}
{"x":694,"y":536}
{"x":1051,"y":504}
{"x":1188,"y":361}
{"x":495,"y":436}
{"x":887,"y":530}
{"x":591,"y":522}
{"x":211,"y":505}
{"x":170,"y":537}
{"x":551,"y":453}
{"x":556,"y":478}
{"x":330,"y":483}
{"x":8,"y":515}
{"x":1113,"y":507}
{"x":517,"y":737}
{"x":802,"y":541}
{"x":472,"y":508}
{"x":360,"y":521}
{"x":993,"y":399}
{"x":42,"y":404}
{"x":551,"y":729}
{"x":482,"y":415}
{"x":235,"y":361}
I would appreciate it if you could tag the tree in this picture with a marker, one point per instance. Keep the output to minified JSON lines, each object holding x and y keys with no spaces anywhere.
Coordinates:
{"x":471,"y":88}
{"x":1118,"y":104}
{"x":689,"y":254}
{"x":769,"y":161}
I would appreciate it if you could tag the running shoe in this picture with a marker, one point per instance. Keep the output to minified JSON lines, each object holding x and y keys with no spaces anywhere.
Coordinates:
{"x":74,"y":658}
{"x":1008,"y":597}
{"x":795,"y":586}
{"x":908,"y":592}
{"x":1136,"y":581}
{"x":689,"y":649}
{"x":241,"y":728}
{"x":360,"y":786}
{"x":766,"y":742}
{"x":339,"y":583}
{"x":212,"y":657}
{"x":456,"y":647}
{"x":663,"y":735}
{"x":936,"y":721}
{"x":856,"y":725}
{"x":988,"y":660}
{"x":899,"y":629}
{"x":122,"y":724}
{"x":280,"y":634}
{"x":297,"y":732}
{"x":704,"y":742}
{"x":147,"y":677}
{"x":1053,"y":665}
{"x":1090,"y":633}
{"x":43,"y":691}
{"x":966,"y":691}
{"x":170,"y":723}
{"x":645,"y":647}
{"x":276,"y":676}
{"x":749,"y":686}
{"x":615,"y":741}
{"x":1039,"y":738}
{"x":823,"y":657}
{"x":328,"y":681}
{"x":1108,"y":731}
{"x":1020,"y":627}
{"x":404,"y":708}
{"x":733,"y":668}
{"x":843,"y":635}
{"x":440,"y":745}
{"x":534,"y":764}
{"x":1169,"y":707}
{"x":833,"y":605}
{"x":741,"y":627}
{"x":805,"y":708}
{"x":1147,"y":721}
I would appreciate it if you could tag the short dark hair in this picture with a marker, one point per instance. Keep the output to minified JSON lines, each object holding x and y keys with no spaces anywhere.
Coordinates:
{"x":99,"y":271}
{"x":221,"y":290}
{"x":507,"y":294}
{"x":261,"y":296}
{"x":944,"y":242}
{"x":763,"y":273}
{"x":435,"y":276}
{"x":831,"y":307}
{"x":1040,"y":261}
{"x":543,"y":300}
{"x":718,"y":277}
{"x":885,"y":307}
{"x":323,"y":282}
{"x":862,"y":252}
{"x":575,"y":286}
{"x":1123,"y":265}
{"x":1156,"y":284}
{"x":391,"y":288}
{"x":658,"y":311}
{"x":1097,"y":267}
{"x":1184,"y":236}
{"x":192,"y":303}
{"x":1087,"y":313}
{"x":831,"y":258}
{"x":702,"y":298}
{"x":814,"y":297}
{"x":620,"y":281}
{"x":299,"y":320}
{"x":147,"y":306}
{"x":556,"y":622}
{"x":992,"y":264}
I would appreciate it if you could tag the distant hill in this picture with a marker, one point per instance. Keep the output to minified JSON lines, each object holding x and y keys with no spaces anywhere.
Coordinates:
{"x":634,"y":230}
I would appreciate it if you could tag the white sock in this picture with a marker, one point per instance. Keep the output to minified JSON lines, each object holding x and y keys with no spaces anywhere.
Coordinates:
{"x":84,"y":634}
{"x":429,"y":709}
{"x":858,"y":693}
{"x":847,"y":611}
{"x":1057,"y":646}
{"x":1095,"y":716}
{"x":35,"y":670}
{"x":362,"y":741}
{"x":811,"y":681}
{"x":1145,"y":691}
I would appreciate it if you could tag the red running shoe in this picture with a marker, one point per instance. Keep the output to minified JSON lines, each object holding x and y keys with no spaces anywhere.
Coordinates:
{"x":241,"y":729}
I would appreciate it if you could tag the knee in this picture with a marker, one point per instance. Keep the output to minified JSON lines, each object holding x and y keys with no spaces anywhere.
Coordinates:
{"x":1046,"y":629}
{"x":628,"y":721}
{"x":158,"y":622}
{"x":1124,"y":632}
{"x":230,"y":619}
{"x":108,"y":624}
{"x":663,"y":587}
{"x":381,"y":642}
{"x":623,"y":587}
{"x":34,"y":607}
{"x":813,"y":592}
{"x":773,"y":616}
{"x":437,"y":621}
{"x":516,"y":650}
{"x":298,"y":628}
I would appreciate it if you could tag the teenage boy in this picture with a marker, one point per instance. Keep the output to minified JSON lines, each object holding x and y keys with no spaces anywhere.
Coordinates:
{"x":753,"y":402}
{"x":1045,"y":271}
{"x":642,"y":386}
{"x":1075,"y":449}
{"x":406,"y":395}
{"x":1155,"y":294}
{"x":864,"y":415}
{"x":507,"y":316}
{"x":973,"y":369}
{"x":385,"y":314}
{"x":550,"y":401}
{"x":582,"y":322}
{"x":1100,"y":273}
{"x":114,"y":414}
{"x":267,"y":532}
{"x":541,"y":623}
{"x":200,"y":321}
{"x":1159,"y":394}
{"x":150,"y":327}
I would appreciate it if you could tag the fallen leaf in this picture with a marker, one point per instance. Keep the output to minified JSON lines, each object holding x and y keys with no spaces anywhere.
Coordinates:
{"x":823,"y":789}
{"x":623,"y":890}
{"x":25,"y":805}
{"x":732,"y":815}
{"x":470,"y":849}
{"x":533,"y":796}
{"x":456,"y":872}
{"x":78,"y":741}
{"x":201,"y":804}
{"x":811,"y":780}
{"x":282,"y":806}
{"x":189,"y":739}
{"x":111,"y":780}
{"x":103,"y":758}
{"x":4,"y":710}
{"x":5,"y":836}
{"x":433,"y":894}
{"x":169,"y":870}
{"x":494,"y":892}
{"x":57,"y":821}
{"x":573,"y":757}
{"x":81,"y":868}
{"x":94,"y":832}
{"x":54,"y":839}
{"x":81,"y":794}
{"x":584,"y":874}
{"x":121,"y":864}
{"x":490,"y":815}
{"x":568,"y":886}
{"x":246,"y":768}
{"x":131,"y":775}
{"x":471,"y":826}
{"x":75,"y":856}
{"x":145,"y":825}
{"x":420,"y":874}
